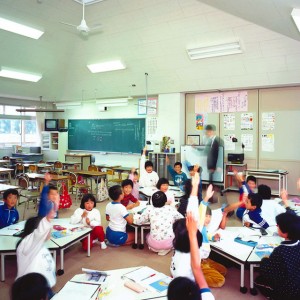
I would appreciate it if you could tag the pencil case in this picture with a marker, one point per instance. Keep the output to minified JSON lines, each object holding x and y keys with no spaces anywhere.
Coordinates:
{"x":134,"y":286}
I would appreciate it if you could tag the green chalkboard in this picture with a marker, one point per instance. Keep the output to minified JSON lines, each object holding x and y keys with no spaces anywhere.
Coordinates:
{"x":107,"y":135}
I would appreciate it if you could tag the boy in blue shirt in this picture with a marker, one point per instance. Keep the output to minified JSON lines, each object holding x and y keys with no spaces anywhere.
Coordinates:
{"x":179,"y":177}
{"x":8,"y":213}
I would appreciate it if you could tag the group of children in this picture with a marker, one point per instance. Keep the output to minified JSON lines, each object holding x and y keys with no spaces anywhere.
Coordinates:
{"x":169,"y":229}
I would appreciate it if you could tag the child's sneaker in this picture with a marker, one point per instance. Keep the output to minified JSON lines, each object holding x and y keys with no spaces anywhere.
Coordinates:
{"x":163,"y":252}
{"x":111,"y":245}
{"x":103,"y":245}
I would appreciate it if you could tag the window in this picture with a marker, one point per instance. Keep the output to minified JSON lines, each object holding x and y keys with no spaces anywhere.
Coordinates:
{"x":17,"y":128}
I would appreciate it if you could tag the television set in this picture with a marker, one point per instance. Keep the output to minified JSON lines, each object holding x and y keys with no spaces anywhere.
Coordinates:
{"x":54,"y":124}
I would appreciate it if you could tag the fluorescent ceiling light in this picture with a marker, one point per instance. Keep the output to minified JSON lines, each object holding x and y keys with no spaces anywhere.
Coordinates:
{"x":215,"y":50}
{"x":20,"y":29}
{"x":296,"y":17}
{"x":106,"y":66}
{"x":88,"y":2}
{"x":112,"y":102}
{"x":14,"y":74}
{"x":38,"y":110}
{"x":68,"y":105}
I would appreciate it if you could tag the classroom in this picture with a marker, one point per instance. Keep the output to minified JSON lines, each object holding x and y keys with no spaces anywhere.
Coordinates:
{"x":179,"y":65}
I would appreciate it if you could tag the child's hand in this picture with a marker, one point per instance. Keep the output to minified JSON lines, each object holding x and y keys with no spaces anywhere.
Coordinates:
{"x":247,"y":224}
{"x":216,"y":237}
{"x":245,"y":197}
{"x":87,"y":220}
{"x":84,"y":214}
{"x":209,"y":193}
{"x":196,"y":177}
{"x":191,"y":224}
{"x":51,"y":214}
{"x":284,"y":195}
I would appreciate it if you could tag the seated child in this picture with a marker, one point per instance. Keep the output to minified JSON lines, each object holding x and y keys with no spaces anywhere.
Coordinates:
{"x":134,"y":176}
{"x":280,"y":273}
{"x":49,"y":196}
{"x":88,"y":215}
{"x":118,"y":217}
{"x":148,"y":177}
{"x":163,"y":186}
{"x":8,"y":213}
{"x":183,"y":287}
{"x":161,"y":218}
{"x":33,"y":286}
{"x":129,"y":201}
{"x":252,"y":215}
{"x":179,"y":177}
{"x":32,"y":255}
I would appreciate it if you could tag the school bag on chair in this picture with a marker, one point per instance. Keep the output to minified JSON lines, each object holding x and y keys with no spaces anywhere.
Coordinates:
{"x":102,"y":193}
{"x":65,"y":198}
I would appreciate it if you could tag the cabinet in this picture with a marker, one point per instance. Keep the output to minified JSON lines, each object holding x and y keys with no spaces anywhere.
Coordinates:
{"x":84,"y":159}
{"x":50,"y":140}
{"x":230,"y":182}
{"x":160,"y":165}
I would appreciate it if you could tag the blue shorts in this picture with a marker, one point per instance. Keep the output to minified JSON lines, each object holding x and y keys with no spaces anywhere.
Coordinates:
{"x":116,"y":237}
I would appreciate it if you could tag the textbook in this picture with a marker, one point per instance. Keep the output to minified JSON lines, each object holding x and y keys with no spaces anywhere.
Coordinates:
{"x":90,"y":277}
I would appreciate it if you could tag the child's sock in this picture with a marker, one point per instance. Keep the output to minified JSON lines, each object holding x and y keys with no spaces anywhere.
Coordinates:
{"x":103,"y":245}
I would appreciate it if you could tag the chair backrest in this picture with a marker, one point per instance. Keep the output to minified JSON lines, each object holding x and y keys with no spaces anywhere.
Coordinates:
{"x":5,"y":157}
{"x":32,"y":168}
{"x":73,"y":178}
{"x":110,"y":172}
{"x":41,"y":161}
{"x":58,"y":165}
{"x":92,"y":168}
{"x":19,"y":167}
{"x":23,"y":181}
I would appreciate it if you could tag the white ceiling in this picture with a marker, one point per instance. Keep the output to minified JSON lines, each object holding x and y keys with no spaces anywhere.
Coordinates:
{"x":149,"y":36}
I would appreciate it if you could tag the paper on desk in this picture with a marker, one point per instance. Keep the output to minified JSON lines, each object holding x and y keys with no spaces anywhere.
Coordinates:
{"x":216,"y":218}
{"x":140,"y":273}
{"x":77,"y":291}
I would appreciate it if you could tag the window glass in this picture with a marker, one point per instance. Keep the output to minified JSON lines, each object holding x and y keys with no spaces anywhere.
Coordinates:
{"x":30,"y":131}
{"x":10,"y":131}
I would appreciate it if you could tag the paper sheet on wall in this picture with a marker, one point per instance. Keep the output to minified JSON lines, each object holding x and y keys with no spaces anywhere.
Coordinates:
{"x":151,"y":127}
{"x":268,"y":121}
{"x":247,"y":121}
{"x":267,"y":142}
{"x":228,"y":143}
{"x":229,"y":121}
{"x":247,"y":140}
{"x":199,"y":121}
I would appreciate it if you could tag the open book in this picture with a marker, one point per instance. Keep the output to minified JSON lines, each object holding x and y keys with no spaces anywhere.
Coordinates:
{"x":90,"y":277}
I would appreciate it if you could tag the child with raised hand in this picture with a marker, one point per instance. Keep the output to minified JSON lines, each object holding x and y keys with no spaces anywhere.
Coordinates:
{"x":280,"y":273}
{"x":134,"y":176}
{"x":179,"y":177}
{"x":163,"y":186}
{"x":88,"y":215}
{"x":8,"y":212}
{"x":49,"y":197}
{"x":129,"y":201}
{"x":32,"y":255}
{"x":148,"y":177}
{"x":118,"y":217}
{"x":161,"y":218}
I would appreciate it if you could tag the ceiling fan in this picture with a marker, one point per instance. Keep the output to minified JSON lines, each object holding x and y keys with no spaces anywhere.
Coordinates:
{"x":83,"y":28}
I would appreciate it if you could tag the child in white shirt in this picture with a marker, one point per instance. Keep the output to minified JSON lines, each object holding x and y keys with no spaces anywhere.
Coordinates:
{"x":163,"y":186}
{"x":161,"y":218}
{"x":88,"y":215}
{"x":148,"y":177}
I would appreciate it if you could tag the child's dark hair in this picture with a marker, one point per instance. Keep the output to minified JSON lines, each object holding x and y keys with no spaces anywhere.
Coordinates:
{"x":181,"y":240}
{"x":162,"y":181}
{"x":52,"y":187}
{"x":33,"y":286}
{"x":114,"y":192}
{"x":135,"y":173}
{"x":159,"y":199}
{"x":86,"y":198}
{"x":255,"y":199}
{"x":264,"y":191}
{"x":178,"y":163}
{"x":30,"y":225}
{"x":126,"y":182}
{"x":290,"y":224}
{"x":148,"y":163}
{"x":251,"y":178}
{"x":183,"y":288}
{"x":10,"y":192}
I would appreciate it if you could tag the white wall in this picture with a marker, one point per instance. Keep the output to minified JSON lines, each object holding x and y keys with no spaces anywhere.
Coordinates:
{"x":170,"y":117}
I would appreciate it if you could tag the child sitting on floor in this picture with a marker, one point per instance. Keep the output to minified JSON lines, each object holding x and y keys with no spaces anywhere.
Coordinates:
{"x":163,"y":186}
{"x":8,"y":212}
{"x":161,"y":218}
{"x":129,"y":201}
{"x":88,"y":215}
{"x":118,"y":216}
{"x":280,"y":273}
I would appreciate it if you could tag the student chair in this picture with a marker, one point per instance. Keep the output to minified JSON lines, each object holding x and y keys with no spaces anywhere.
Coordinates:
{"x":19,"y":169}
{"x":112,"y":179}
{"x":27,"y":193}
{"x":58,"y":166}
{"x":79,"y":187}
{"x":93,"y":168}
{"x":32,"y":169}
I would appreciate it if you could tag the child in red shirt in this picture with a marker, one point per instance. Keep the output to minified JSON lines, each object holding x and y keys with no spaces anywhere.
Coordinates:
{"x":129,"y":201}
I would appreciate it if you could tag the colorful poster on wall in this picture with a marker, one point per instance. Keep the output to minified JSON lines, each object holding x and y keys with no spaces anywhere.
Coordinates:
{"x":199,"y":121}
{"x":247,"y":121}
{"x":147,"y":107}
{"x":268,"y":121}
{"x":247,"y":140}
{"x":267,"y":142}
{"x":228,"y":143}
{"x":229,"y":122}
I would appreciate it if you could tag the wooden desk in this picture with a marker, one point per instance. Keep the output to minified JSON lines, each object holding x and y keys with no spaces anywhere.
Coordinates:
{"x":84,"y":159}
